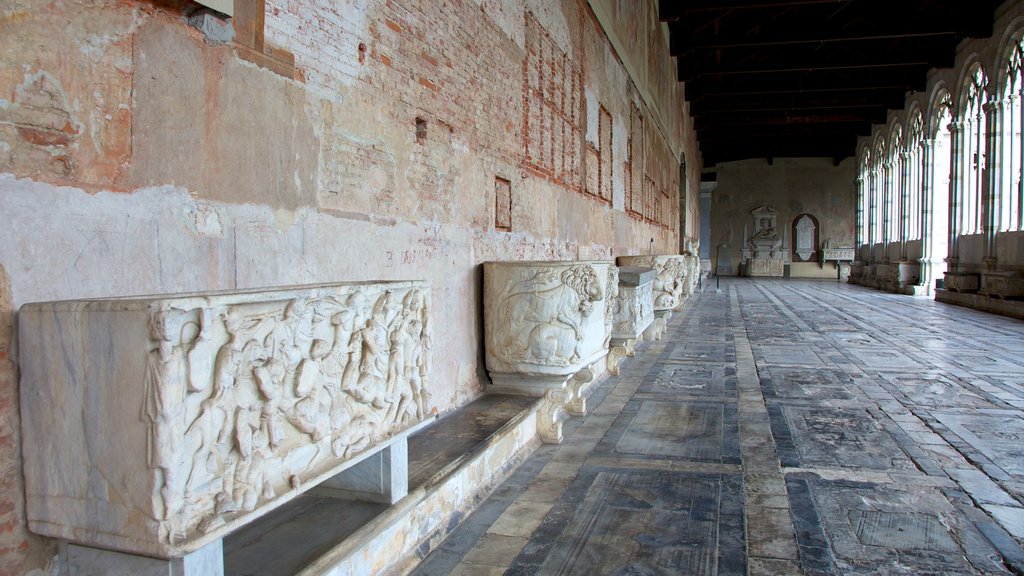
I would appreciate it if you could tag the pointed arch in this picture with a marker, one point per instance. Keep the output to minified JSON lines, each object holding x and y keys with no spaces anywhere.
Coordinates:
{"x":973,"y":96}
{"x":1008,"y":196}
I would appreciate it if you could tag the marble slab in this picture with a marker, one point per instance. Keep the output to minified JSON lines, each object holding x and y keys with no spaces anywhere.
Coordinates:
{"x":827,"y":436}
{"x":641,"y":522}
{"x":848,"y":527}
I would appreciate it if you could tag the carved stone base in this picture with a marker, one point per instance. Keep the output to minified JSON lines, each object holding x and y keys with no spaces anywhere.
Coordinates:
{"x":551,"y":415}
{"x":207,"y":561}
{"x":526,"y":384}
{"x":658,"y":327}
{"x":580,"y":387}
{"x":1006,"y":285}
{"x":958,"y":282}
{"x":616,"y":353}
{"x":844,"y":272}
{"x":765,"y":267}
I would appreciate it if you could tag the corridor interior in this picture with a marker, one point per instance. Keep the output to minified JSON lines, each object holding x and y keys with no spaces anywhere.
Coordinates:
{"x":779,"y":427}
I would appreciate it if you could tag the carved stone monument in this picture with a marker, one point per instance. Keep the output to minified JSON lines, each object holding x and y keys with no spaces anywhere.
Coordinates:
{"x":667,"y":286}
{"x":633,"y":313}
{"x":764,"y":252}
{"x":545,"y":330}
{"x":156,"y":425}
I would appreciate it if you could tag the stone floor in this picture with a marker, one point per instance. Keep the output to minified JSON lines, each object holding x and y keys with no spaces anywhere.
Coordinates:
{"x":780,"y":427}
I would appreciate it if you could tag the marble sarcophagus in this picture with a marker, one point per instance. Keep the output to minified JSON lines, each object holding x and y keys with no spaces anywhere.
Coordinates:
{"x":155,"y":425}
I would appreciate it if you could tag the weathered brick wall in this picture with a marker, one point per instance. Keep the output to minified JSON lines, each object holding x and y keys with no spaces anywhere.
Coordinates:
{"x":421,"y":139}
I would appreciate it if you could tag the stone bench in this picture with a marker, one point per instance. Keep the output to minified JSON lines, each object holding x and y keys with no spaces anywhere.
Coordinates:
{"x":547,"y":327}
{"x":154,"y":426}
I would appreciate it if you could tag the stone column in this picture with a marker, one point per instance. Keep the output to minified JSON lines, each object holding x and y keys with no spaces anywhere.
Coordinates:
{"x":927,"y":215}
{"x":859,"y":226}
{"x":904,"y":204}
{"x":956,"y":171}
{"x":887,"y":190}
{"x":991,"y":170}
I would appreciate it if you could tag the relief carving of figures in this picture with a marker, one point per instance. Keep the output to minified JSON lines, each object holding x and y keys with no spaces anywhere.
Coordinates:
{"x":243,"y":401}
{"x":540,"y":319}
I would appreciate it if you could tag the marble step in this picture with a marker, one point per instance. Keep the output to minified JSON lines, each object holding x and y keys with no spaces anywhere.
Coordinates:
{"x":453,"y":465}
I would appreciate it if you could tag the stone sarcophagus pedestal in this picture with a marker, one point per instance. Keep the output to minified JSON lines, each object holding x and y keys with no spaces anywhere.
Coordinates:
{"x":545,"y":331}
{"x":667,"y":286}
{"x":632,"y":313}
{"x":156,"y":425}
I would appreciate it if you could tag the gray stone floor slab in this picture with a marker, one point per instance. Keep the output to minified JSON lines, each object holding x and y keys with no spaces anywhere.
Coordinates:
{"x":780,"y":427}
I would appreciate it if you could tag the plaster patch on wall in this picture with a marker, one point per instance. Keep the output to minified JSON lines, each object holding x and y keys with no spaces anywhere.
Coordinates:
{"x":507,"y":15}
{"x":551,"y":14}
{"x":204,"y":219}
{"x":593,"y":109}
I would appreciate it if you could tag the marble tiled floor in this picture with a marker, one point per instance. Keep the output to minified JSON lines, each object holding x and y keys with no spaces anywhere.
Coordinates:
{"x":780,"y":427}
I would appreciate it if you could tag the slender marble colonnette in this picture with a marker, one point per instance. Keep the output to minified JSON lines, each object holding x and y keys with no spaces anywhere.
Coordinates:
{"x":155,"y":425}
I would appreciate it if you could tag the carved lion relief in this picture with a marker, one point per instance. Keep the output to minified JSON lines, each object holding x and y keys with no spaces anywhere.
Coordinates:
{"x":540,"y":319}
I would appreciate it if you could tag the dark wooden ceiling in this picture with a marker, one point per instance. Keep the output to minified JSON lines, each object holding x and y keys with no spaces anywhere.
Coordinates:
{"x":805,"y":78}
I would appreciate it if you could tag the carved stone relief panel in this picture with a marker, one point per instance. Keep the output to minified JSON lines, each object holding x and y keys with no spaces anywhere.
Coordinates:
{"x":155,"y":425}
{"x":544,"y":321}
{"x":669,"y":281}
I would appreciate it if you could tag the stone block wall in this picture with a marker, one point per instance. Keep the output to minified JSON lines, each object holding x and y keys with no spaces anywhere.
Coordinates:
{"x":412,"y":140}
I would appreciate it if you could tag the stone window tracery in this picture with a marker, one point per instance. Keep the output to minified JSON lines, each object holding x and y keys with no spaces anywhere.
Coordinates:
{"x":972,"y":151}
{"x":894,"y":185}
{"x":1011,"y":195}
{"x":914,"y":188}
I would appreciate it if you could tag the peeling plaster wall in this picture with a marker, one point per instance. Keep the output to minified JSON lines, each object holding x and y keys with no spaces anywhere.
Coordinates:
{"x":792,"y":186}
{"x":137,"y":158}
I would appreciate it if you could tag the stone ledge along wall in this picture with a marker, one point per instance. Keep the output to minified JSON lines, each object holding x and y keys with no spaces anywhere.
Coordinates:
{"x":416,"y":140}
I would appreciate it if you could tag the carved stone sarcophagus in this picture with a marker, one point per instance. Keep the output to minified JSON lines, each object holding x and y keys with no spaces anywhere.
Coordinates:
{"x":633,"y":313}
{"x":546,"y":326}
{"x":669,"y":280}
{"x":544,"y":321}
{"x":155,"y":425}
{"x":962,"y":282}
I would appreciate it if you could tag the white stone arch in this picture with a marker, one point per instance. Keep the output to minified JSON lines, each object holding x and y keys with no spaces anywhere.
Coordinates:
{"x":1009,"y":42}
{"x":864,"y":177}
{"x":1008,"y":190}
{"x":970,"y":147}
{"x":914,"y":139}
{"x":892,"y":213}
{"x":877,"y":189}
{"x":940,"y":105}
